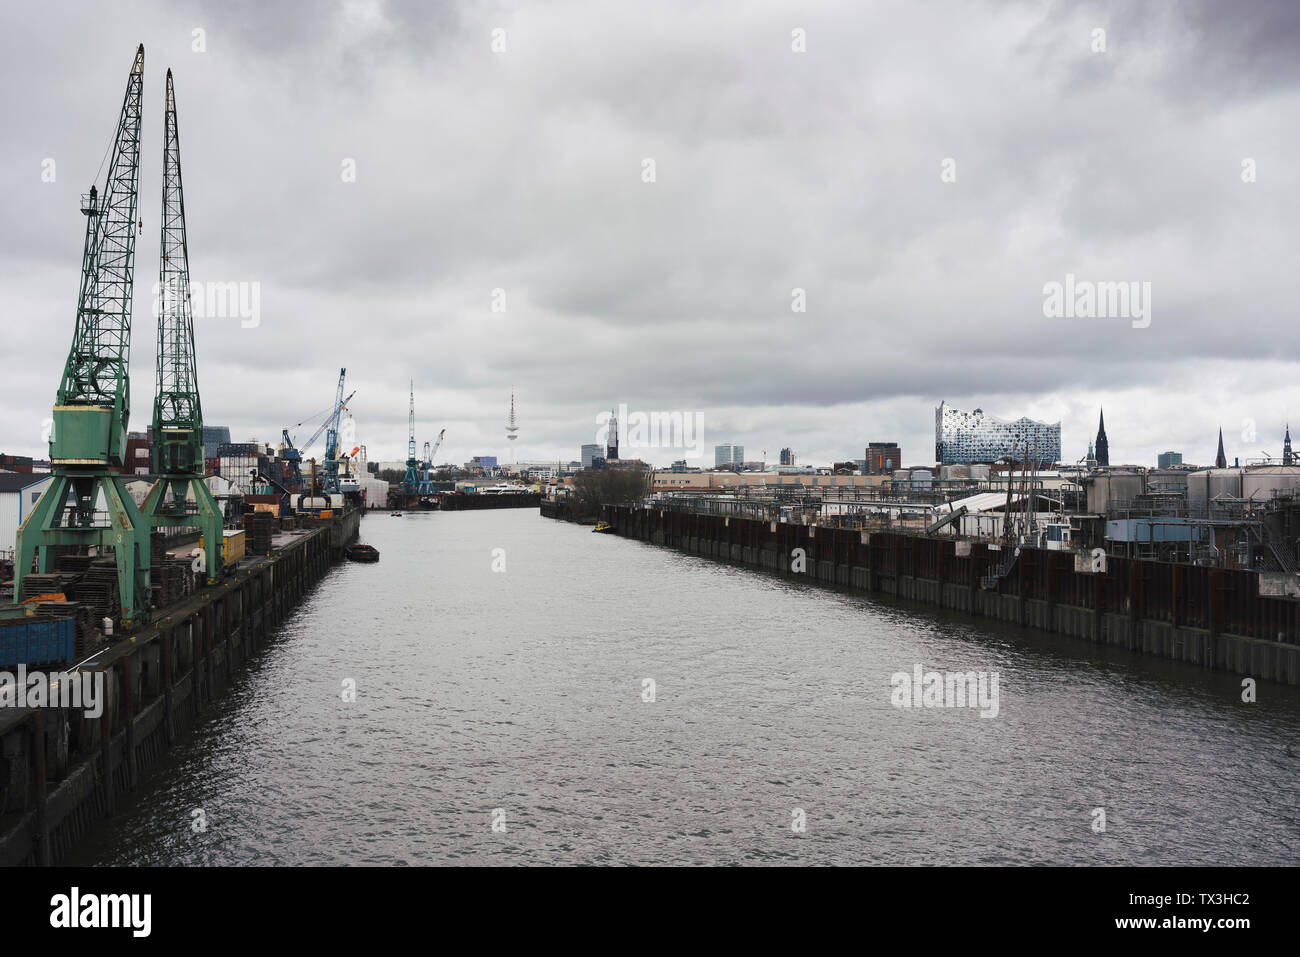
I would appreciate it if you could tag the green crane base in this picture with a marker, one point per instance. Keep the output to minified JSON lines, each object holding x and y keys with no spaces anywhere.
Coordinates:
{"x":120,"y":526}
{"x":168,"y":503}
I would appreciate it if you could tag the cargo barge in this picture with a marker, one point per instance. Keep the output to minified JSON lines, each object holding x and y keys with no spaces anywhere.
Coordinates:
{"x":461,"y":501}
{"x":1233,"y":620}
{"x":62,"y":772}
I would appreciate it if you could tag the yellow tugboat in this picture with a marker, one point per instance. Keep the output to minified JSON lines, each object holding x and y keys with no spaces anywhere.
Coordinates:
{"x":604,"y":528}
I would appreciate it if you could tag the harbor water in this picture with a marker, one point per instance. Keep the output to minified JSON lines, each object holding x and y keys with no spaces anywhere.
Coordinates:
{"x":528,"y":692}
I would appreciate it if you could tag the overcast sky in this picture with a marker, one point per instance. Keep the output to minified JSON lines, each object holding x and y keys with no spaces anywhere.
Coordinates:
{"x":523,"y":170}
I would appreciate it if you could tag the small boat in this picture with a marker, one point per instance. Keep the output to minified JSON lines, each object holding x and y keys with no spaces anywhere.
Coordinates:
{"x":361,"y":553}
{"x":604,"y":528}
{"x":395,"y":514}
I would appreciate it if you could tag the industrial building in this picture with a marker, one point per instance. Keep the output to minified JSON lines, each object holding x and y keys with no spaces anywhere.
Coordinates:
{"x":963,"y":438}
{"x":19,"y":491}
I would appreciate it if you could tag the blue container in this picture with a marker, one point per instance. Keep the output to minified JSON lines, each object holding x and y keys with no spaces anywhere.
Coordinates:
{"x":37,"y":641}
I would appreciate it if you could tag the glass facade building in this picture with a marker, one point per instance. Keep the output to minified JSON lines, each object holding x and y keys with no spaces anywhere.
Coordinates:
{"x":728,"y":454}
{"x":964,"y":438}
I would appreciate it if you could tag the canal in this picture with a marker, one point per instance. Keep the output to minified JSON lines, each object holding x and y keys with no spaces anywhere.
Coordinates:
{"x":528,"y":692}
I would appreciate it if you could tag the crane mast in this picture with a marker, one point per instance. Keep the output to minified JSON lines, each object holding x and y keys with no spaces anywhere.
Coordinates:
{"x":92,"y":408}
{"x":411,"y":481}
{"x":179,"y":497}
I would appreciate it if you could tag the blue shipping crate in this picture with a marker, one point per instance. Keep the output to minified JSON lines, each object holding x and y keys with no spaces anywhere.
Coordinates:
{"x":37,"y":641}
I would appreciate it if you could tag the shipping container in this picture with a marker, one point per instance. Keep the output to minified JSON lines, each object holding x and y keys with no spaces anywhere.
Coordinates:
{"x":36,"y":641}
{"x":232,"y":545}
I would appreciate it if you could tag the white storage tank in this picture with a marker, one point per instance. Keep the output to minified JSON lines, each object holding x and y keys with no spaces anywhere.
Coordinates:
{"x":1261,"y":482}
{"x":922,"y":476}
{"x":980,"y":472}
{"x":1225,"y":483}
{"x":1198,"y":490}
{"x":902,"y":475}
{"x":1105,"y":488}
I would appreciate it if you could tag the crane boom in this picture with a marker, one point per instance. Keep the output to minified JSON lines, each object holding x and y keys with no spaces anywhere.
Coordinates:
{"x":96,"y":372}
{"x":176,"y":400}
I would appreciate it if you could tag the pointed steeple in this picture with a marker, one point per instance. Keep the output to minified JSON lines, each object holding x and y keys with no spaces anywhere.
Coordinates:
{"x":1220,"y":460}
{"x":1103,"y":445}
{"x":1287,"y":457}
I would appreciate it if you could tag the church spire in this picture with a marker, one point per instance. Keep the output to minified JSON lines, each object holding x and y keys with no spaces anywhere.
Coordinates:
{"x":1287,"y":457}
{"x":1220,"y":460}
{"x":1103,"y":445}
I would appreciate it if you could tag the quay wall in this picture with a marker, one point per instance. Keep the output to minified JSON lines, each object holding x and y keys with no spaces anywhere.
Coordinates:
{"x":61,"y":772}
{"x":1213,"y":617}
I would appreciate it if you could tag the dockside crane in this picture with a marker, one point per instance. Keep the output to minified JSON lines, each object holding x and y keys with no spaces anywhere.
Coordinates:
{"x":331,"y":481}
{"x":292,"y":458}
{"x":329,"y":418}
{"x":179,"y":497}
{"x":92,"y":408}
{"x":411,"y":481}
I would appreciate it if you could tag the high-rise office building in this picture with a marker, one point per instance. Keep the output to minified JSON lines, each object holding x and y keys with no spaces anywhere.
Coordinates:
{"x":589,"y":454}
{"x":1166,"y":459}
{"x":787,"y":457}
{"x":611,"y":440}
{"x":728,"y":454}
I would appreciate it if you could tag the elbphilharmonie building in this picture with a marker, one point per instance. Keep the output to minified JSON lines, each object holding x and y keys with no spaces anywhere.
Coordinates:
{"x":963,"y":438}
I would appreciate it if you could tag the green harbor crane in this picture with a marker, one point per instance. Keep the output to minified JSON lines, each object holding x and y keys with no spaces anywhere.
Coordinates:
{"x":179,"y":497}
{"x":411,"y":481}
{"x":88,"y":438}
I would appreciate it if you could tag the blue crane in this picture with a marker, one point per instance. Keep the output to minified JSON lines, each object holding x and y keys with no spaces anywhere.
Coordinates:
{"x":331,"y":483}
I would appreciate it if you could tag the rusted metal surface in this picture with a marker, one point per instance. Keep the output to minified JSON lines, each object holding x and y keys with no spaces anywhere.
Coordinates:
{"x":1220,"y":601}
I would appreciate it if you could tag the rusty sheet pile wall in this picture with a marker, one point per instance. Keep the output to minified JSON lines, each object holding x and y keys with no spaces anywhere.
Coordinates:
{"x":1207,"y":616}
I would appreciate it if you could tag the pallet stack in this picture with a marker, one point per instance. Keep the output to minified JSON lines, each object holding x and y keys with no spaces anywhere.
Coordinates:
{"x":51,"y":584}
{"x":173,"y":580}
{"x":97,"y":589}
{"x":257,"y":533}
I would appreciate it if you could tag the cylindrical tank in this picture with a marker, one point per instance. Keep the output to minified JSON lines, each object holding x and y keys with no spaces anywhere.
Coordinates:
{"x":979,"y":472}
{"x":902,"y":475}
{"x":1105,"y":488}
{"x":959,"y":472}
{"x":1225,"y":483}
{"x":1261,"y":482}
{"x":1166,"y":480}
{"x":922,"y":476}
{"x":1198,"y":490}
